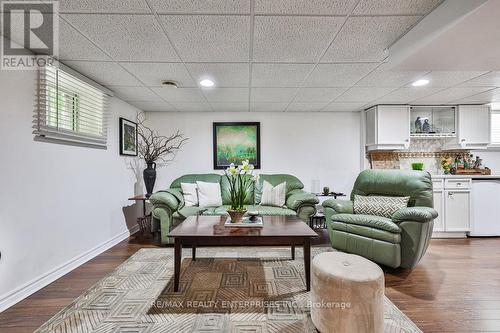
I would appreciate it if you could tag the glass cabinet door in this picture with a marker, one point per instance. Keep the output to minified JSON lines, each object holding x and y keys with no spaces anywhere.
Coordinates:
{"x":432,"y":121}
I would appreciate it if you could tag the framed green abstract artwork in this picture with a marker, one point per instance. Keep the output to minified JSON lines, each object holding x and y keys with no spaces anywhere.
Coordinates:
{"x":236,"y":142}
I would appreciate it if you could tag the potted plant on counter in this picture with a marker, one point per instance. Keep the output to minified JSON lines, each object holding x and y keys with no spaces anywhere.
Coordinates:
{"x":154,"y":148}
{"x":240,"y":180}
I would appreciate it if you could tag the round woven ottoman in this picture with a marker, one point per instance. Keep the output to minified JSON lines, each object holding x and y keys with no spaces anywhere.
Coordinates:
{"x":347,"y":294}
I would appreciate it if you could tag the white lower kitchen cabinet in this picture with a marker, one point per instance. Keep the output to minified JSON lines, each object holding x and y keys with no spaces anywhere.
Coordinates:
{"x":457,"y":211}
{"x":452,"y":201}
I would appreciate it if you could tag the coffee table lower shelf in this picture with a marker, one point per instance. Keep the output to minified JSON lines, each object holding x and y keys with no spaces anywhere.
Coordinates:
{"x":195,"y":241}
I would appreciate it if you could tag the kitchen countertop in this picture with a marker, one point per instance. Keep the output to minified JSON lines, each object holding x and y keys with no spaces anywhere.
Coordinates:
{"x":466,"y":176}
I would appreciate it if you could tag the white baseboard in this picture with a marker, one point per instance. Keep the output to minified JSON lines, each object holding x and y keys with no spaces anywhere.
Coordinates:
{"x":38,"y":283}
{"x":454,"y":234}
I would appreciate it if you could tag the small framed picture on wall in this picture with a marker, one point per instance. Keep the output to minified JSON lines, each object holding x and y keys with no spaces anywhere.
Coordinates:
{"x":128,"y":137}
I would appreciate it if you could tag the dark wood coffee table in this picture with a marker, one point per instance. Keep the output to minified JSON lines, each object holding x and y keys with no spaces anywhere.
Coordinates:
{"x":210,"y":230}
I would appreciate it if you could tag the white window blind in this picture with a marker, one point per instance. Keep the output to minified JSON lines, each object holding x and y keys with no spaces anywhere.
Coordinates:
{"x":495,"y":127}
{"x":70,"y":109}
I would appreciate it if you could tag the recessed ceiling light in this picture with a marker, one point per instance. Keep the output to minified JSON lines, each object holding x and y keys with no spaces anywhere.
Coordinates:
{"x":421,"y":82}
{"x":207,"y":83}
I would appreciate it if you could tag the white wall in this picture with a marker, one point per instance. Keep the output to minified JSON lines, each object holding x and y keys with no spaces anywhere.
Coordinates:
{"x":58,"y":203}
{"x":324,"y":146}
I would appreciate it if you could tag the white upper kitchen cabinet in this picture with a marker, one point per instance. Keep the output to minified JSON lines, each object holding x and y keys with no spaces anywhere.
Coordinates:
{"x":387,"y":127}
{"x":473,"y":128}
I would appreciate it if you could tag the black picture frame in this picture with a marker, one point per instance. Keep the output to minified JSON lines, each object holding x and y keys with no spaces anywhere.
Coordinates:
{"x":125,"y":151}
{"x":216,"y":125}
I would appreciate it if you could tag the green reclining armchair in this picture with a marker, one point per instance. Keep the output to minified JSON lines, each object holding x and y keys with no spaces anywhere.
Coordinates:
{"x":169,"y":209}
{"x":400,"y":241}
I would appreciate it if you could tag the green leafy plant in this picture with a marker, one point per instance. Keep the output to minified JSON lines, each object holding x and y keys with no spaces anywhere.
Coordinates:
{"x":240,"y":179}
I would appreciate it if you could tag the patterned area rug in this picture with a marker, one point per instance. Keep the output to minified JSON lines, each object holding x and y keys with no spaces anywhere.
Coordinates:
{"x":244,"y":289}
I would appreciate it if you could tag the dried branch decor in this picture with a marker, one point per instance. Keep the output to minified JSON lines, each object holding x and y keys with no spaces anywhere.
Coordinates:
{"x":154,"y":147}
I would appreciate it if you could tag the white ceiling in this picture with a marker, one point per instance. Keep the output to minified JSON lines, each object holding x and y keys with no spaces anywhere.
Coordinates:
{"x":264,"y":56}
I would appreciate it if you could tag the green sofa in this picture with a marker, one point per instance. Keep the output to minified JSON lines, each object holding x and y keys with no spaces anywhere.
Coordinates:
{"x":400,"y":241}
{"x":169,"y":209}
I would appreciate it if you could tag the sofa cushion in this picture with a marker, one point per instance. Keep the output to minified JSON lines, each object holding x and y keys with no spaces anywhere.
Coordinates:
{"x":273,"y":195}
{"x":209,"y":194}
{"x":379,"y":205}
{"x":369,"y":232}
{"x":372,"y":221}
{"x":190,"y":194}
{"x":292,"y":183}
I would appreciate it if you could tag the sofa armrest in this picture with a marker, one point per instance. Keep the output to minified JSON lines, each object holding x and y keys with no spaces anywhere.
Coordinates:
{"x":339,"y":206}
{"x":298,"y":198}
{"x":172,"y":198}
{"x":416,"y":214}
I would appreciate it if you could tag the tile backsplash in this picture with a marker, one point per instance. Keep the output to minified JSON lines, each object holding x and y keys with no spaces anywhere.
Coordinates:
{"x":427,"y":151}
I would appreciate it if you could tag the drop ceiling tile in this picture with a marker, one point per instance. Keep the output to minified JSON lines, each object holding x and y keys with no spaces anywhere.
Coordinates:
{"x":226,"y":94}
{"x":267,"y":107}
{"x":209,"y":38}
{"x":405,"y":95}
{"x":318,"y":94}
{"x":485,"y":97}
{"x":126,"y":37}
{"x":272,"y":95}
{"x":320,"y":7}
{"x":154,"y":106}
{"x":192,"y":107}
{"x":182,"y":95}
{"x":490,"y":79}
{"x":279,"y":75}
{"x":447,"y":79}
{"x":223,"y":74}
{"x":230,"y":107}
{"x":343,"y":107}
{"x":201,"y":6}
{"x":366,"y":38}
{"x":106,"y":6}
{"x":105,"y":73}
{"x":452,"y":94}
{"x":391,"y":7}
{"x":152,"y":74}
{"x":293,"y":38}
{"x":382,"y":77}
{"x":305,"y":107}
{"x":140,"y":94}
{"x":338,"y":75}
{"x":74,"y":46}
{"x":363,"y":94}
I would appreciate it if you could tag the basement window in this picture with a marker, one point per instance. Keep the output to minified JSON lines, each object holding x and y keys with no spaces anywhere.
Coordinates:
{"x":70,"y":110}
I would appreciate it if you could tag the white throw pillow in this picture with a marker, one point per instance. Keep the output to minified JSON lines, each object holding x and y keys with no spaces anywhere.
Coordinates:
{"x":273,"y":196}
{"x":209,"y":194}
{"x":190,"y":194}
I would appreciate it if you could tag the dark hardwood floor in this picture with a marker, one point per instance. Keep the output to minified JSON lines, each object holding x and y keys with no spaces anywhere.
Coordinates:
{"x":455,"y":288}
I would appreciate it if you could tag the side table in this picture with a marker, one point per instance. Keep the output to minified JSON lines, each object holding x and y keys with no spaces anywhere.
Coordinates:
{"x":145,"y":220}
{"x":318,"y":220}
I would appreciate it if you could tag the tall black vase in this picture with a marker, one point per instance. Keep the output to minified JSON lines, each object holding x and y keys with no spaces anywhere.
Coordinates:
{"x":149,"y":175}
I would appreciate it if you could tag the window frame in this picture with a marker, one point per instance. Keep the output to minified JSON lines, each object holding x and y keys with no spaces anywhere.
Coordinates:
{"x":60,"y":117}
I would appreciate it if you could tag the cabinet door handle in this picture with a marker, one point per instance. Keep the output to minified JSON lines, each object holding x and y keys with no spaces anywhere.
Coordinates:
{"x":450,"y":193}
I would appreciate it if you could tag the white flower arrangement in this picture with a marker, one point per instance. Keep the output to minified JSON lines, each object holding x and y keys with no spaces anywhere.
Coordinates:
{"x":240,"y":179}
